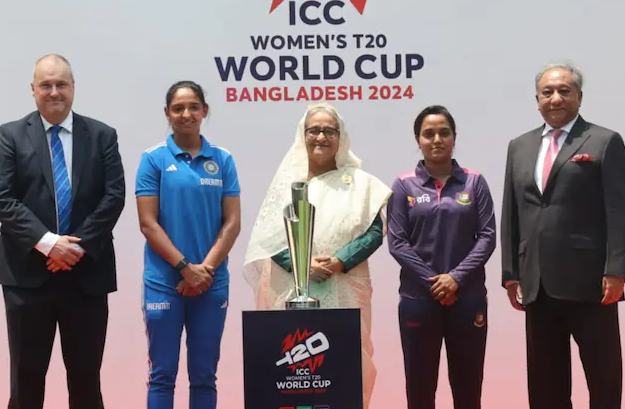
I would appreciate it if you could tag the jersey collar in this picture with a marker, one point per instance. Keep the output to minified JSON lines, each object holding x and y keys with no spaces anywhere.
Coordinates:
{"x":424,"y":176}
{"x":206,"y":150}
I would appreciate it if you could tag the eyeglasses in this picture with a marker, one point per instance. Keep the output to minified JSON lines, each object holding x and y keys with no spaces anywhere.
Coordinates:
{"x":328,"y":132}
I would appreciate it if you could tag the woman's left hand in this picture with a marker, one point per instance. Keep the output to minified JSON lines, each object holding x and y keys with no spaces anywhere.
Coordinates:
{"x":186,"y":290}
{"x":333,"y":264}
{"x":444,"y":284}
{"x":449,"y":299}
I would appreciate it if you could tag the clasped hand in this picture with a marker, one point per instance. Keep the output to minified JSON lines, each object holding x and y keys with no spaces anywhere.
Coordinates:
{"x":324,"y":267}
{"x":444,"y":289}
{"x":65,"y":254}
{"x":197,"y":279}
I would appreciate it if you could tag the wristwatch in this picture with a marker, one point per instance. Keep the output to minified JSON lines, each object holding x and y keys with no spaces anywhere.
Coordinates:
{"x":181,"y":264}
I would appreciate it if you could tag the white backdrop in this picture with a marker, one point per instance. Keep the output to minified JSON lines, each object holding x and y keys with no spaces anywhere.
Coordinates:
{"x":479,"y":60}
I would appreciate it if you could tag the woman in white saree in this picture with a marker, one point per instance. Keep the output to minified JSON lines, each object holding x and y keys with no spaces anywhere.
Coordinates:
{"x":349,"y":226}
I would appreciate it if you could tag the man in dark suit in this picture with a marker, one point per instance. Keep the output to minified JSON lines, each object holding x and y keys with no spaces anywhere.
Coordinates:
{"x":563,"y":244}
{"x":61,"y":193}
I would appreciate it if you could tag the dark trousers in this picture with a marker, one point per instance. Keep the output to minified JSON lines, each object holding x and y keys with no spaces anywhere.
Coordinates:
{"x":32,"y":318}
{"x":550,"y":323}
{"x":424,"y":323}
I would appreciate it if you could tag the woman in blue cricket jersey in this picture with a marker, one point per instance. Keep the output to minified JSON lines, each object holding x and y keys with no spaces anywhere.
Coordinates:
{"x":441,"y":231}
{"x":189,"y":211}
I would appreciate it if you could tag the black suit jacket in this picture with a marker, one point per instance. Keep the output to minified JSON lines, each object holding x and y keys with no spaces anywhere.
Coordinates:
{"x":28,"y":207}
{"x":573,"y":234}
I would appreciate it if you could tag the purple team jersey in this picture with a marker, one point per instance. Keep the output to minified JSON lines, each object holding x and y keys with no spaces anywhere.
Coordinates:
{"x":435,"y":228}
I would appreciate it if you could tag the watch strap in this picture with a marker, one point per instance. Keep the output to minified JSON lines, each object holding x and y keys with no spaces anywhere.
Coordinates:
{"x":181,"y":264}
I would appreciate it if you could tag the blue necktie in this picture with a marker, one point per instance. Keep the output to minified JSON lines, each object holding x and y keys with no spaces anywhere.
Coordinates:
{"x":61,"y":182}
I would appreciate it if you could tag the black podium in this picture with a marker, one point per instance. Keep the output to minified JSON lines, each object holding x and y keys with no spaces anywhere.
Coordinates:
{"x":302,"y":359}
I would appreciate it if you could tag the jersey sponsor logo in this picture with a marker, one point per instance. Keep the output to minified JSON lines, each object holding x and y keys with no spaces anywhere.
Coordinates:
{"x":463,"y":198}
{"x":157,"y":306}
{"x":424,"y":198}
{"x":171,"y":168}
{"x":211,"y":167}
{"x":211,"y":182}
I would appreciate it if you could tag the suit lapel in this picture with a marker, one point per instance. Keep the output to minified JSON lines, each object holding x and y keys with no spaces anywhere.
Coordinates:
{"x":37,"y":136}
{"x":571,"y":145}
{"x":533,"y":150}
{"x":81,"y":139}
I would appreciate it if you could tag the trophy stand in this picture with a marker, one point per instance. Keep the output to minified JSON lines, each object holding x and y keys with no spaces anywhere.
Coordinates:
{"x":302,"y":356}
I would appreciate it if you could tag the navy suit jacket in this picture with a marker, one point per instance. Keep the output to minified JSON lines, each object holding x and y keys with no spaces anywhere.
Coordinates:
{"x":28,"y":207}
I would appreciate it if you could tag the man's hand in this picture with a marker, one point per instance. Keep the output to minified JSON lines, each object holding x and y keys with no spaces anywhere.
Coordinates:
{"x":54,"y":266}
{"x":444,"y":284}
{"x":319,"y":270}
{"x":515,"y":295}
{"x":65,"y":254}
{"x":612,"y":289}
{"x":198,"y":276}
{"x":186,"y":290}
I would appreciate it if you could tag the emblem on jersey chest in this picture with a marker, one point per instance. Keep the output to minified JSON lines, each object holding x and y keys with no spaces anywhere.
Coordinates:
{"x":463,"y":198}
{"x":211,"y":167}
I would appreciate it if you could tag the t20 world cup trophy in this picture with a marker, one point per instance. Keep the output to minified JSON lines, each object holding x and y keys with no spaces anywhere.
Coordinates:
{"x":299,"y":220}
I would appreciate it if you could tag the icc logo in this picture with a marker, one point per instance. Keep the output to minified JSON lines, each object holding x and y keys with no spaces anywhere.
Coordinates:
{"x":313,"y":12}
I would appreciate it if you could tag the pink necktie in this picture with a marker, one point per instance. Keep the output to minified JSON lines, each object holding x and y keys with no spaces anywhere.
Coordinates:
{"x":550,"y":157}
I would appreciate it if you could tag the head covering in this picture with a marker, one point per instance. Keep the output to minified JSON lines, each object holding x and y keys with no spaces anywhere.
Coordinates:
{"x":349,"y":200}
{"x":268,"y":235}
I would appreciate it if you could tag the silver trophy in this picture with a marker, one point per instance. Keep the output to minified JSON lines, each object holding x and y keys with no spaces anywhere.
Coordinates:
{"x":299,"y":220}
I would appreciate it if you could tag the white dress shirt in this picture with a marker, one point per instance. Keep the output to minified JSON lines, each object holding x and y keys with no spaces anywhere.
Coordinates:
{"x":49,"y":239}
{"x":544,"y":147}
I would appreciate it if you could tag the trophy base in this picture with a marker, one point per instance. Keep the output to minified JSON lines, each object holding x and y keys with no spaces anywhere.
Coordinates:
{"x":302,"y":303}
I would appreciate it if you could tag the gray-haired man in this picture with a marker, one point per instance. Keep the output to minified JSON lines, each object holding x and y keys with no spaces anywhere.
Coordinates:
{"x":563,"y":244}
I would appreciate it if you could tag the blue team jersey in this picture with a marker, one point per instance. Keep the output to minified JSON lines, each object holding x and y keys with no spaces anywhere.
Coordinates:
{"x":190,"y":192}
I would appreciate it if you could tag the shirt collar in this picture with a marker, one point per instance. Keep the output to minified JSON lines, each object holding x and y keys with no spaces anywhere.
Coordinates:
{"x":424,"y":176}
{"x":566,"y":128}
{"x":67,"y":123}
{"x":206,"y":150}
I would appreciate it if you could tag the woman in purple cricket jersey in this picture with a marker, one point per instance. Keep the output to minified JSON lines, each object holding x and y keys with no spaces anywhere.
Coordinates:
{"x":441,"y":231}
